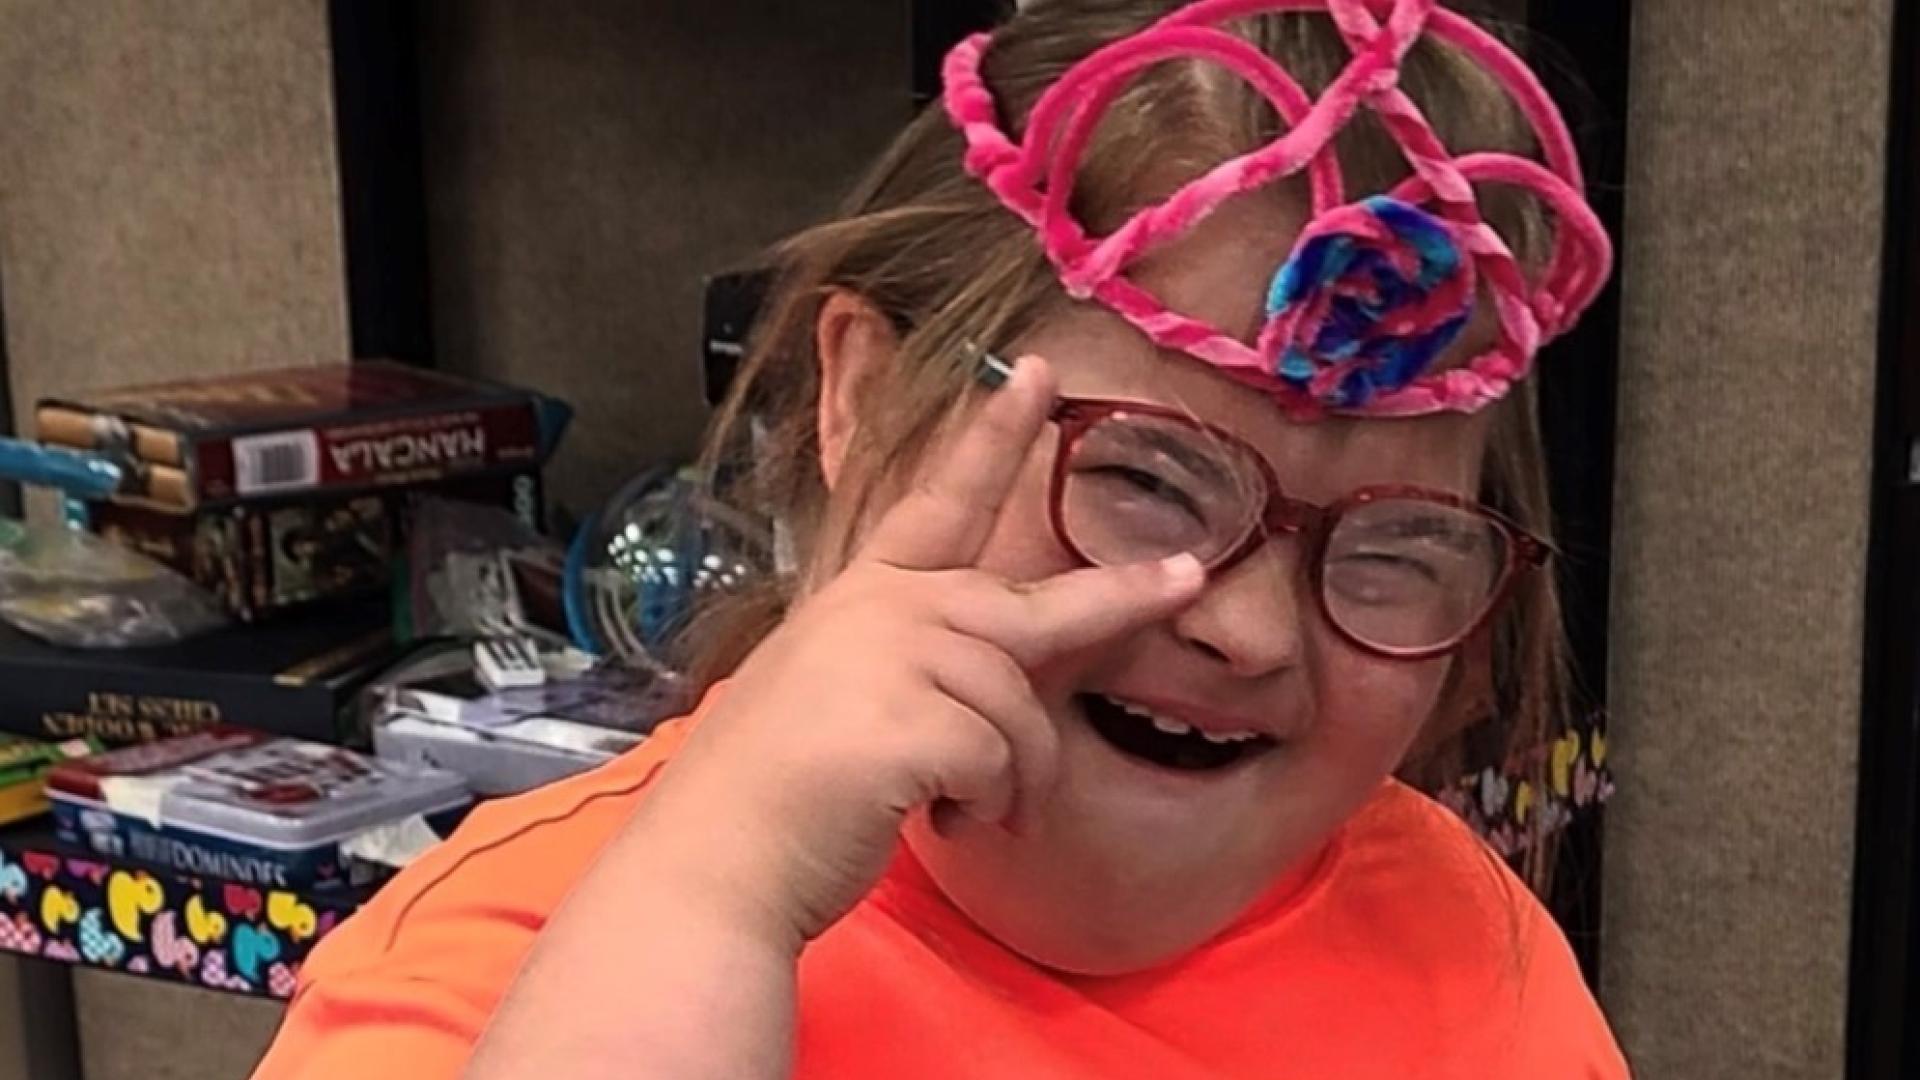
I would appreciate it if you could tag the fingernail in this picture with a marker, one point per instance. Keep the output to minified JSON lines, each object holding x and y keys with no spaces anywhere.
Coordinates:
{"x":992,"y":372}
{"x":1183,"y":571}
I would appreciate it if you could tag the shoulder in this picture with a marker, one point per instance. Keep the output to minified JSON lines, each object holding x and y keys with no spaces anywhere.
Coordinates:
{"x":408,"y":983}
{"x":1402,"y":844}
{"x":468,"y":910}
{"x":1482,"y":951}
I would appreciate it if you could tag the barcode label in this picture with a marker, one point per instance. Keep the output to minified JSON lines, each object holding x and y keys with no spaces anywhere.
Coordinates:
{"x":278,"y":462}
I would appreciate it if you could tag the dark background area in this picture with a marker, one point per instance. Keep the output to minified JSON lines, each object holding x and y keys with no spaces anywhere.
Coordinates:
{"x":1881,"y":1033}
{"x":1581,"y":51}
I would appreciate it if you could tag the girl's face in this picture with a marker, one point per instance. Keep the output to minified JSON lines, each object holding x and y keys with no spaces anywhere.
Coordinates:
{"x":1132,"y":863}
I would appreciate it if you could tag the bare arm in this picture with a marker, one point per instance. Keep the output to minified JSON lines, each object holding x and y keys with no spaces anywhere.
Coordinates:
{"x":652,"y":969}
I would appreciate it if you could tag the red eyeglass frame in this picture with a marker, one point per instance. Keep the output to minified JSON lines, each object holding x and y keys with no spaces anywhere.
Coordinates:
{"x":1282,"y":513}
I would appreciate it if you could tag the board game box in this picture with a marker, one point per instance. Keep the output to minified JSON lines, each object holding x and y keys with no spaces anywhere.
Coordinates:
{"x":290,"y":678}
{"x":291,"y":431}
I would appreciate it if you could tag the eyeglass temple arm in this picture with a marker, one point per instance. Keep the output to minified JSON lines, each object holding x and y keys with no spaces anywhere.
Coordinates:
{"x":1532,"y":551}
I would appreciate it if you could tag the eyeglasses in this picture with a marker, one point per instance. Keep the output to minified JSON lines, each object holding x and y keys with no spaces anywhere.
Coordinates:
{"x":1400,"y":572}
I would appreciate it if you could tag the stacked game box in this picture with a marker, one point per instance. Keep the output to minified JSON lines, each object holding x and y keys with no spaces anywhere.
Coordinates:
{"x":276,"y":488}
{"x":260,"y":809}
{"x":294,"y":677}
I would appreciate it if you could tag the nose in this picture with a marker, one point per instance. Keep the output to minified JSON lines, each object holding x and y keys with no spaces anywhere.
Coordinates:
{"x":1252,"y":618}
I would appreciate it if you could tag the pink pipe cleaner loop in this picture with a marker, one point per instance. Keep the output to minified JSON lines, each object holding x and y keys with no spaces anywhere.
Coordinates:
{"x":1374,"y":292}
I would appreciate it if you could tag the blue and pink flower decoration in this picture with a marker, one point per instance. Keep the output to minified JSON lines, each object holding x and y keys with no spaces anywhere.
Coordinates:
{"x":1373,"y":294}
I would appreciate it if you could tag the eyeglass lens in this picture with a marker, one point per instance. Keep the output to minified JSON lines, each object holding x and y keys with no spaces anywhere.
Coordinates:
{"x":1396,"y":573}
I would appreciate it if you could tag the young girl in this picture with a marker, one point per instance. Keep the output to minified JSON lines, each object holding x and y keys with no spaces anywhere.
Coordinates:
{"x":1068,"y":752}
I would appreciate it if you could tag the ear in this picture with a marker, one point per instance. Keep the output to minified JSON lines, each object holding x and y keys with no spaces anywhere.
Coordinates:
{"x":855,"y":342}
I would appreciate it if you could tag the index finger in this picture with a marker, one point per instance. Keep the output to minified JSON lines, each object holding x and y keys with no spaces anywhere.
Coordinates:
{"x":1040,"y":622}
{"x":945,"y":520}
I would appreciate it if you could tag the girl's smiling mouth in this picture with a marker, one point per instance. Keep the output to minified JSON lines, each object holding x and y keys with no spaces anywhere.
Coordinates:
{"x":1162,"y":738}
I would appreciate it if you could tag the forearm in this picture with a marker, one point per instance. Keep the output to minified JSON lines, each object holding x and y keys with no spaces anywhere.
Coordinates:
{"x":650,"y":970}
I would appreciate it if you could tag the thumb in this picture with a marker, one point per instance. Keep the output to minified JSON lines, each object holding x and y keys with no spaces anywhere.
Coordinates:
{"x":1083,"y":608}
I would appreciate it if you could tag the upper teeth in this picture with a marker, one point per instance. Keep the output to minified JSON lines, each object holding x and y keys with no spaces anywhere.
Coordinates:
{"x":1176,"y":727}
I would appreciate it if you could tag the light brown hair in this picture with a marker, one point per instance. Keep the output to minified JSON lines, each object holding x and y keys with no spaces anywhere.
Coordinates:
{"x":931,"y":248}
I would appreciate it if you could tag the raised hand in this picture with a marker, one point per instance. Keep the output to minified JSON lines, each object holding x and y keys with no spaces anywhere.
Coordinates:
{"x":901,"y":684}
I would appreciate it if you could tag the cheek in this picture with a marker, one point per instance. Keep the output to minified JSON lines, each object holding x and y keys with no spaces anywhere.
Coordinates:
{"x":1372,"y":711}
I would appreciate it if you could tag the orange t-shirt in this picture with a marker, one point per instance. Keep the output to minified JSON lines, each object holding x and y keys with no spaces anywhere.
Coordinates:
{"x":1410,"y":952}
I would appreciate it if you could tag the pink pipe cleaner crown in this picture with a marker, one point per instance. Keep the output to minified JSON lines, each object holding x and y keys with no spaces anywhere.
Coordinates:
{"x":1374,"y":291}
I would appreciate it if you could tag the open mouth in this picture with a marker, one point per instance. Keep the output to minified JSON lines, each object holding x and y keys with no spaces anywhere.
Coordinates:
{"x":1168,"y":743}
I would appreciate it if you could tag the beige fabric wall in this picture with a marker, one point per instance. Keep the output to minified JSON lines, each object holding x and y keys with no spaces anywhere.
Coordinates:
{"x":588,"y":163}
{"x":136,"y":1029}
{"x":169,"y":205}
{"x":1753,"y":230}
{"x":168,"y":195}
